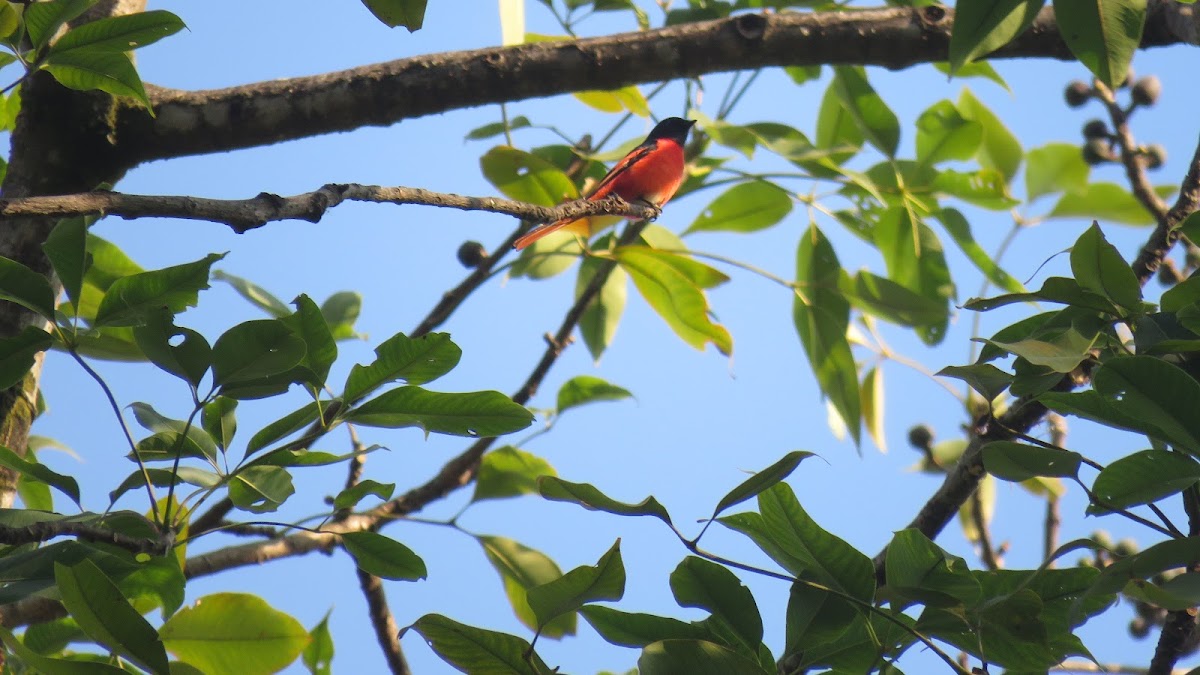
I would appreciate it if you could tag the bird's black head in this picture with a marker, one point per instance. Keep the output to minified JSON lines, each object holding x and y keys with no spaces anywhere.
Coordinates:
{"x":675,"y":128}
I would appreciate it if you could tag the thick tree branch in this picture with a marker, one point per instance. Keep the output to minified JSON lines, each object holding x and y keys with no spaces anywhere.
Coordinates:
{"x":190,"y":123}
{"x":242,"y":215}
{"x":47,"y":530}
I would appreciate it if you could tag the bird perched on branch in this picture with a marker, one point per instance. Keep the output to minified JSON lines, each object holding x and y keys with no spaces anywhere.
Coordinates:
{"x":650,"y":173}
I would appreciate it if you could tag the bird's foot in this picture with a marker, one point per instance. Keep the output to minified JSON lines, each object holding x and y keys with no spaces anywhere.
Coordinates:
{"x":652,"y":206}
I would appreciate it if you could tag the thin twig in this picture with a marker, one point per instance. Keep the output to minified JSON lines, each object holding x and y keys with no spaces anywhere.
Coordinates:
{"x":1058,"y":438}
{"x":1133,"y":161}
{"x":987,"y":552}
{"x":116,"y":408}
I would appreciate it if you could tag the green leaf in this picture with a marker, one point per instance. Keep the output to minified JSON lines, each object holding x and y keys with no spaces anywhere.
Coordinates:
{"x":130,"y":298}
{"x":1062,"y":354}
{"x":1103,"y":34}
{"x":821,"y":315}
{"x":1163,"y":556}
{"x":19,"y":353}
{"x":120,"y":33}
{"x":1017,"y":462}
{"x":219,"y":421}
{"x":1099,"y":267}
{"x":196,"y":443}
{"x":254,"y":294}
{"x":86,"y":69}
{"x":956,"y":225}
{"x":629,"y":629}
{"x":234,"y":633}
{"x":308,"y":322}
{"x":944,"y":134}
{"x":509,"y":472}
{"x":407,"y":13}
{"x":1000,"y":150}
{"x":697,"y":582}
{"x":260,"y":489}
{"x":1155,"y":391}
{"x":590,"y":583}
{"x":558,"y":490}
{"x":874,"y":119}
{"x":165,"y":477}
{"x":284,"y":426}
{"x":815,"y":617}
{"x":1054,"y":289}
{"x":352,"y":495}
{"x":1179,"y":593}
{"x":977,"y":69}
{"x":981,"y":28}
{"x":1145,"y":477}
{"x":619,"y":100}
{"x":475,"y":650}
{"x":159,"y":339}
{"x":584,"y":389}
{"x":836,"y":127}
{"x":752,"y":486}
{"x":383,"y":556}
{"x":340,"y":311}
{"x":96,"y":603}
{"x":787,"y":534}
{"x":524,"y":177}
{"x":51,"y":666}
{"x":986,"y":188}
{"x":43,"y":19}
{"x":872,"y":399}
{"x":890,"y":301}
{"x":674,"y":296}
{"x":255,"y":349}
{"x":599,"y":322}
{"x":1105,"y":201}
{"x":1055,"y":167}
{"x":413,"y":360}
{"x":66,"y":248}
{"x":745,"y":207}
{"x":25,"y":287}
{"x":64,"y":484}
{"x":916,"y":261}
{"x":984,"y":378}
{"x":475,"y":414}
{"x":920,"y":571}
{"x":694,"y":657}
{"x":520,"y":569}
{"x":318,"y":655}
{"x":497,"y":128}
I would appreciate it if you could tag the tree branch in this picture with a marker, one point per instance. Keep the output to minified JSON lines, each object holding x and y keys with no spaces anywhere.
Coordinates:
{"x":190,"y":123}
{"x":1133,"y":161}
{"x":242,"y":215}
{"x":386,"y":631}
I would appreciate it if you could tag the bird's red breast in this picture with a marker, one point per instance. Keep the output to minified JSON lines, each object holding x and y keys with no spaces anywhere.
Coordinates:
{"x":652,"y":172}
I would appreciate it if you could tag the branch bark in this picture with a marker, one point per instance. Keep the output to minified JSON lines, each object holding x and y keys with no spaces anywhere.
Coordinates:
{"x":199,"y":122}
{"x":242,"y":215}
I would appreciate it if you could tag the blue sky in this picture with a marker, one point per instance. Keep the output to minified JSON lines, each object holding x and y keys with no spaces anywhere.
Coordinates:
{"x":699,"y":420}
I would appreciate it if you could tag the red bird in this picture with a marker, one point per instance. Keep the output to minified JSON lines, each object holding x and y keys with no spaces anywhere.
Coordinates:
{"x":650,"y":173}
